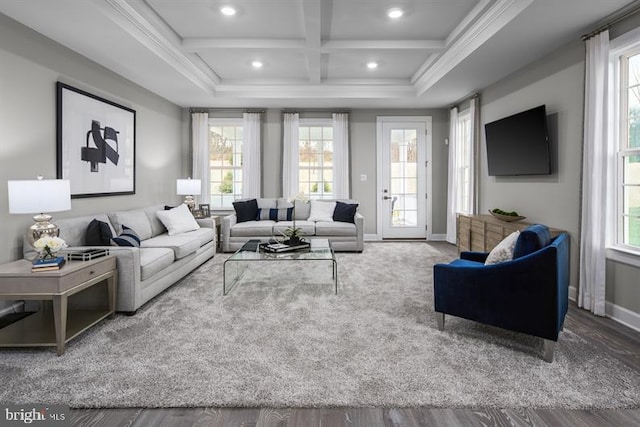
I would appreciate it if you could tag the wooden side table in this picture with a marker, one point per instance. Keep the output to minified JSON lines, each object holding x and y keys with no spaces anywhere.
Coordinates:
{"x":17,"y":282}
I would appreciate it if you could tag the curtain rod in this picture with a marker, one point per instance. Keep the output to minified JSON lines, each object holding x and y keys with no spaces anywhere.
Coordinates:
{"x":465,"y":99}
{"x":622,"y":14}
{"x":226,"y":110}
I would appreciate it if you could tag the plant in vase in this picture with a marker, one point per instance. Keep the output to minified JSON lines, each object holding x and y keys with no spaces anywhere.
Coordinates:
{"x":294,"y":234}
{"x":48,"y":246}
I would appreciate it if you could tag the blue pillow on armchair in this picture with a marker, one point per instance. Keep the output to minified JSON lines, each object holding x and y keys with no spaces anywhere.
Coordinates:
{"x":531,"y":239}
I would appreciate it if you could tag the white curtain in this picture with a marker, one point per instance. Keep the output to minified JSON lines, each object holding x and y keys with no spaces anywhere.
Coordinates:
{"x":290,"y":148}
{"x":251,"y":173}
{"x":341,"y":155}
{"x":472,"y":159}
{"x":200,"y":149}
{"x":452,"y":181}
{"x":596,"y":176}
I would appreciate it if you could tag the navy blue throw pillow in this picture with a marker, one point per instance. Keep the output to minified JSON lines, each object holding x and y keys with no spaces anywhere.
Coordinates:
{"x":98,"y":234}
{"x":128,"y":237}
{"x":246,"y":210}
{"x":345,"y":212}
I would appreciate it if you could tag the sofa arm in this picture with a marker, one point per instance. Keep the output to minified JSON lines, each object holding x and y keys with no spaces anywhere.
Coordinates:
{"x":225,"y":233}
{"x":128,"y":264}
{"x":359,"y":221}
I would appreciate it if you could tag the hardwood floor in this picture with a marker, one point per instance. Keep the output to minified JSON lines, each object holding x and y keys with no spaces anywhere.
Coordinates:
{"x":610,"y":337}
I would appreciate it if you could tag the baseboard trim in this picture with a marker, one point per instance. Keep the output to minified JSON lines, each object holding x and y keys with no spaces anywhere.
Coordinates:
{"x":622,"y":315}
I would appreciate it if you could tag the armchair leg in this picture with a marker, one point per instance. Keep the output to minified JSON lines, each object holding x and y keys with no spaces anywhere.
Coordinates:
{"x":549,"y":348}
{"x":440,"y":320}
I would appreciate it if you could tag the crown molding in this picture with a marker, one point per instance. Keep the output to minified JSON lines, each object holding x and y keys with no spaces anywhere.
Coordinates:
{"x":144,"y":31}
{"x":493,"y":20}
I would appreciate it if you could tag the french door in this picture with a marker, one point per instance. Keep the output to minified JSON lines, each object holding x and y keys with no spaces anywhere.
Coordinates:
{"x":403,"y":160}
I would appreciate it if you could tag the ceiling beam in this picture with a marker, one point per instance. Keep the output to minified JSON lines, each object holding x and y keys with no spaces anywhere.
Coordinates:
{"x":312,"y":12}
{"x":164,"y":46}
{"x":334,"y":45}
{"x":194,"y":44}
{"x":493,"y":20}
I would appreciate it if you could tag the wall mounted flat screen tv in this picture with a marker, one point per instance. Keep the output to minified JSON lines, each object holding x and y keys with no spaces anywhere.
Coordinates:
{"x":519,"y":144}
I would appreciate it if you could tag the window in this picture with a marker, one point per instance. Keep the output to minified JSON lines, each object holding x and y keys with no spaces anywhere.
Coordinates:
{"x":225,"y":161}
{"x":315,"y":158}
{"x":463,"y":163}
{"x":628,"y":154}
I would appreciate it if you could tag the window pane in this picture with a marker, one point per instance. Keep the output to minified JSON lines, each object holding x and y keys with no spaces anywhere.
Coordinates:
{"x":315,"y":132}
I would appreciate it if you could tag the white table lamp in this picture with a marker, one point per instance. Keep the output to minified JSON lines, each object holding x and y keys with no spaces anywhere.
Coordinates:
{"x":189,"y":188}
{"x":39,"y":196}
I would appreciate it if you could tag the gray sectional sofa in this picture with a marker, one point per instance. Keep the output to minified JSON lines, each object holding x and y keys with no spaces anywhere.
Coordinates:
{"x":344,"y":236}
{"x":160,"y":261}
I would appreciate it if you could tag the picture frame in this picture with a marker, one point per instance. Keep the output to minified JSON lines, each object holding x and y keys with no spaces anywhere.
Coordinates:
{"x":198,"y":213}
{"x":96,"y":143}
{"x":206,"y":210}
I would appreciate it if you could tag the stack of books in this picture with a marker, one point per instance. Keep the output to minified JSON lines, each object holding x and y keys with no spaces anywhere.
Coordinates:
{"x":48,"y":264}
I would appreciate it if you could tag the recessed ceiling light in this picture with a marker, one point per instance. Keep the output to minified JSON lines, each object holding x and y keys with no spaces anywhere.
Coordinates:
{"x":256,"y":64}
{"x":372,"y":65}
{"x":227,"y":10}
{"x":395,"y":13}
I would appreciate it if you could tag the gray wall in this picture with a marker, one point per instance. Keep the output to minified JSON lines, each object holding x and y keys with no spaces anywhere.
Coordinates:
{"x":558,"y":82}
{"x":30,"y":66}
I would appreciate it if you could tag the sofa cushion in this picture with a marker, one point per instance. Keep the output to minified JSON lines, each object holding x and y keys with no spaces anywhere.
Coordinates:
{"x":308,"y":227}
{"x":246,"y":210}
{"x":284,"y":214}
{"x":252,"y":228}
{"x":345,"y":212}
{"x":178,"y":220}
{"x":531,"y":239}
{"x":157,"y":227}
{"x":98,"y":234}
{"x":503,"y":250}
{"x":135,"y":219}
{"x":154,"y":260}
{"x":181,"y":244}
{"x":301,"y":211}
{"x":321,"y":211}
{"x":335,"y":228}
{"x":128,"y":237}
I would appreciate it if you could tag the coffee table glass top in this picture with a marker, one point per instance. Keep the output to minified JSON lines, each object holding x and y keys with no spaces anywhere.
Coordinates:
{"x":236,"y":264}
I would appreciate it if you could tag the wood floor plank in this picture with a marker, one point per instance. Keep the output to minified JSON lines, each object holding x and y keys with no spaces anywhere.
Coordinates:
{"x":103,"y":417}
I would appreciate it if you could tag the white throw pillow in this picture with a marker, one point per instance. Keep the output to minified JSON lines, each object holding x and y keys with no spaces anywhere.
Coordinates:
{"x":504,"y":250}
{"x":178,"y":220}
{"x":321,"y":211}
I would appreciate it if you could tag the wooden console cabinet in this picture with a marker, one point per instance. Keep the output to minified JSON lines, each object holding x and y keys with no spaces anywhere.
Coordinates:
{"x":482,"y":233}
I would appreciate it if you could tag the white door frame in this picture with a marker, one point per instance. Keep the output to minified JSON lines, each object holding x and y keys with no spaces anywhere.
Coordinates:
{"x":427,"y":120}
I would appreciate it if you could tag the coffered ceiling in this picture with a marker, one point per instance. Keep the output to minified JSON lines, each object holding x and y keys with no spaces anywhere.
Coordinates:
{"x":314,"y":53}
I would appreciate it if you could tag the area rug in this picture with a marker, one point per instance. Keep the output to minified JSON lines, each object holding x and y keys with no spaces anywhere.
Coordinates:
{"x":284,"y":339}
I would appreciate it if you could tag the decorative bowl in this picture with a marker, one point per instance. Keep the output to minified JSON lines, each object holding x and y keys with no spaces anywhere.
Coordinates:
{"x":507,"y":218}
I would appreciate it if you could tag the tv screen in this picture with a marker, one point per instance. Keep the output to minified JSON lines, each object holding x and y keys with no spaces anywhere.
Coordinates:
{"x":519,"y":144}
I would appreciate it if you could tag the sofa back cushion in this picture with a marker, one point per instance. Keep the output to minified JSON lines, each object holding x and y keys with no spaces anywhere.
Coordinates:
{"x":302,"y":209}
{"x":136,"y":220}
{"x":157,"y":227}
{"x":531,"y":239}
{"x":74,"y":230}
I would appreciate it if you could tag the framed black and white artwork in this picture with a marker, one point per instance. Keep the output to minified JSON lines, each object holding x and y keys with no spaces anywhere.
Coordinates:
{"x":96,"y":144}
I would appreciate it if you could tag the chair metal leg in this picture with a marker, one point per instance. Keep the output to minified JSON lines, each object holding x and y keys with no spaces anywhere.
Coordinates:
{"x":440,"y":320}
{"x":549,"y":348}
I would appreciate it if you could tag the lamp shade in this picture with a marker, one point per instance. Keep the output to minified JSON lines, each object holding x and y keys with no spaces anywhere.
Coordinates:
{"x":38,"y":196}
{"x":189,"y":187}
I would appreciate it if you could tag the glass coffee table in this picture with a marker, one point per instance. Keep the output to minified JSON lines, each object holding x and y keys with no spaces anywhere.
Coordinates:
{"x":236,"y":265}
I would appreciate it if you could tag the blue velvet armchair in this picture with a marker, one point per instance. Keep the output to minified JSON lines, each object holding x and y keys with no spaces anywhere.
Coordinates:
{"x":528,"y":294}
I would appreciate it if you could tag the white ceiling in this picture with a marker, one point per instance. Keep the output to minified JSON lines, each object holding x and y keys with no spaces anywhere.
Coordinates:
{"x":314,"y":51}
